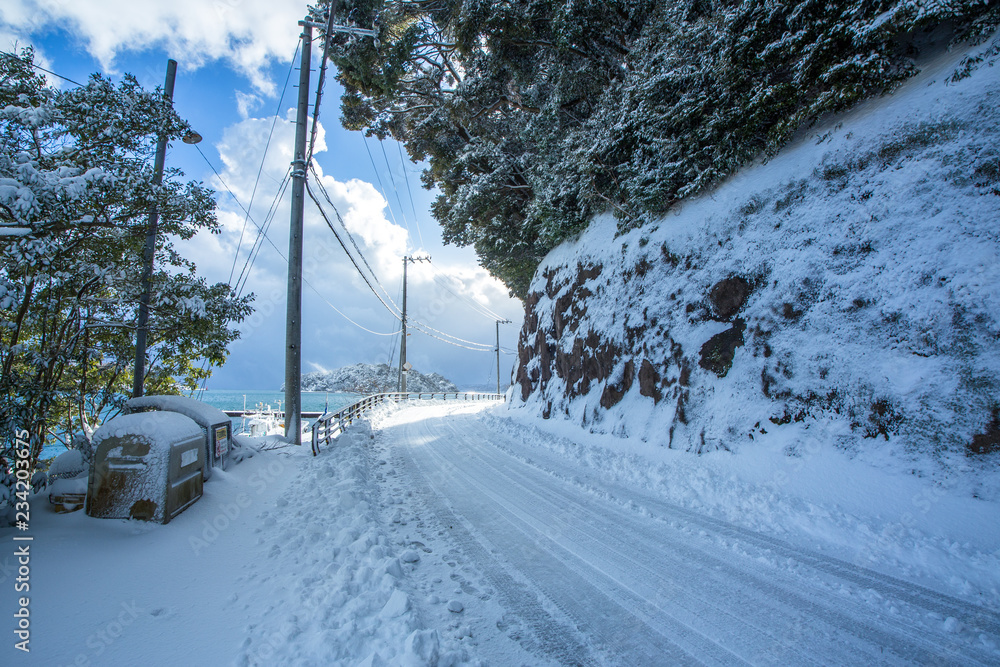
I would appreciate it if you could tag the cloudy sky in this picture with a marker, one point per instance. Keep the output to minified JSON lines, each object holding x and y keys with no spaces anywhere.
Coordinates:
{"x":235,"y":57}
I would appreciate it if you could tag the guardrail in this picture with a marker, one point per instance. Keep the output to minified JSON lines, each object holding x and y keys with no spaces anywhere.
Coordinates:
{"x":331,"y":424}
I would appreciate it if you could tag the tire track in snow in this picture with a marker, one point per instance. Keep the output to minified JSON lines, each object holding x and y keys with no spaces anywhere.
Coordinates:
{"x":545,"y":530}
{"x":617,"y":630}
{"x":908,"y":643}
{"x":685,"y":616}
{"x":553,"y":638}
{"x":969,"y":614}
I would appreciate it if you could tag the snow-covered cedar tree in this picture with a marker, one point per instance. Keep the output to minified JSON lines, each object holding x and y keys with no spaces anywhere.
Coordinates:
{"x":534,"y":115}
{"x":76,"y":188}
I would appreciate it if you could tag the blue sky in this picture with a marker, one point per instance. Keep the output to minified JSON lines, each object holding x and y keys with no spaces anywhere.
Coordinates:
{"x":233,"y":59}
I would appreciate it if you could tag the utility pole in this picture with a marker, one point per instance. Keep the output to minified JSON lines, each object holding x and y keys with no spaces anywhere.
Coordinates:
{"x":404,"y":366}
{"x":401,"y":385}
{"x":293,"y":321}
{"x":499,"y":322}
{"x":149,"y":251}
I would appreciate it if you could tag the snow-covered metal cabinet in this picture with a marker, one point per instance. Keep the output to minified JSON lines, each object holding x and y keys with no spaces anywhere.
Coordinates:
{"x":216,"y":425}
{"x":146,"y":466}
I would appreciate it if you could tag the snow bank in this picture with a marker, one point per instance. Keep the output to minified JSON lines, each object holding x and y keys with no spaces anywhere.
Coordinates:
{"x":282,"y":561}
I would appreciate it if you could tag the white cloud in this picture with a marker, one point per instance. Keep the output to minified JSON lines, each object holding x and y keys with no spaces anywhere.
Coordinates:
{"x":325,"y":265}
{"x":245,"y":33}
{"x":246,"y":103}
{"x":363,"y":211}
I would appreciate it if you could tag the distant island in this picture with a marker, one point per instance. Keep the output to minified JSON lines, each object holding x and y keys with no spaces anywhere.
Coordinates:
{"x":372,"y":379}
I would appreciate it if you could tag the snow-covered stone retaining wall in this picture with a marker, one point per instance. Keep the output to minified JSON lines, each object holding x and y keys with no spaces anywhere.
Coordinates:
{"x":846,"y":291}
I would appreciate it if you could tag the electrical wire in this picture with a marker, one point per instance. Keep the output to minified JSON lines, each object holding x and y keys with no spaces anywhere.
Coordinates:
{"x":238,"y":203}
{"x":342,"y":314}
{"x":395,"y":189}
{"x":39,"y":67}
{"x":475,"y":305}
{"x":320,"y":86}
{"x":349,"y":255}
{"x":395,"y":309}
{"x":285,"y":259}
{"x":443,"y":340}
{"x":393,"y":344}
{"x":378,"y":178}
{"x":262,"y":230}
{"x":244,"y":276}
{"x":409,"y":192}
{"x":260,"y":170}
{"x":417,"y":324}
{"x":343,"y":225}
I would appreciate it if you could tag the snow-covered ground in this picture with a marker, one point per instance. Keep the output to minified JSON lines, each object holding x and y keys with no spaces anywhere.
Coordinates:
{"x":470,"y":534}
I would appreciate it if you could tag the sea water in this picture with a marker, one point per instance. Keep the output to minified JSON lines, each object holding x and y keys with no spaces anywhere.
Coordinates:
{"x":236,"y":399}
{"x":312,"y":401}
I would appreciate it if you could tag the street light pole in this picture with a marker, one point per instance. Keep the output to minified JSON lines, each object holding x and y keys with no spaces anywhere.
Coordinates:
{"x":293,"y":321}
{"x":149,"y":251}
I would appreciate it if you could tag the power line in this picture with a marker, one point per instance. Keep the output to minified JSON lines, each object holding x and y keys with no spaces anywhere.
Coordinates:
{"x":354,"y":243}
{"x":258,"y":241}
{"x":388,"y":204}
{"x":236,"y":199}
{"x":342,"y":314}
{"x":285,"y":259}
{"x":260,"y":170}
{"x":395,"y":189}
{"x":346,"y":251}
{"x":393,"y":344}
{"x":417,"y":323}
{"x":340,"y":219}
{"x":409,"y":192}
{"x":39,"y":67}
{"x":475,"y":305}
{"x":262,"y":230}
{"x":319,"y":86}
{"x":350,"y":256}
{"x":488,"y":348}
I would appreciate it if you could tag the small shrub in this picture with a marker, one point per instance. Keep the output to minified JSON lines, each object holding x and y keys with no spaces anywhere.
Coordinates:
{"x":883,"y":419}
{"x":987,"y":442}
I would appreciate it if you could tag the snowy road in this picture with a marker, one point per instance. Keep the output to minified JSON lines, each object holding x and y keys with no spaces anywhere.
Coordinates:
{"x":586,"y":572}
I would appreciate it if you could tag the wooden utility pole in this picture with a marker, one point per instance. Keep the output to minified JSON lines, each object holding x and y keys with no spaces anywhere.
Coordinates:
{"x":149,"y":252}
{"x":404,"y":367}
{"x":293,"y":322}
{"x":499,"y":322}
{"x":402,"y":341}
